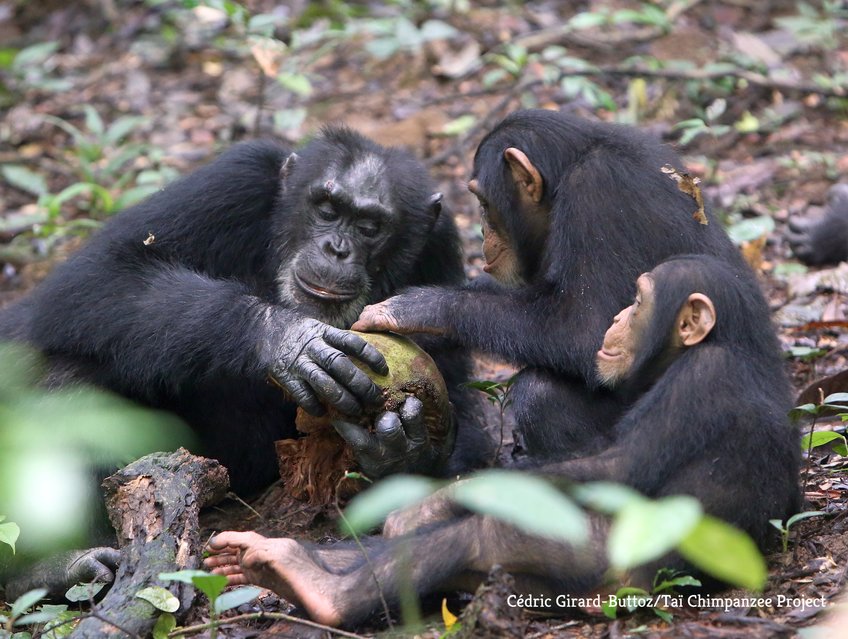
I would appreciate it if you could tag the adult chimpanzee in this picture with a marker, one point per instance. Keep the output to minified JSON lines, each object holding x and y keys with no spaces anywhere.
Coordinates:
{"x":246,"y":269}
{"x":823,"y":240}
{"x":573,"y":211}
{"x":697,"y":349}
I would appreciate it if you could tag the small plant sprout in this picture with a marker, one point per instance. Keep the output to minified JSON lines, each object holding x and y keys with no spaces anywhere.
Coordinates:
{"x":794,"y":519}
{"x":498,"y":394}
{"x":210,"y":585}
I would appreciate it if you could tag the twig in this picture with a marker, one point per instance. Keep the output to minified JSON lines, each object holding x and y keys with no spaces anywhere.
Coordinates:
{"x":260,"y":616}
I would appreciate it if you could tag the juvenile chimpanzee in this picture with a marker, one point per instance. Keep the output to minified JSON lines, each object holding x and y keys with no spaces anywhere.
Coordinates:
{"x":573,"y":211}
{"x":246,"y":269}
{"x":823,"y":240}
{"x":707,"y":370}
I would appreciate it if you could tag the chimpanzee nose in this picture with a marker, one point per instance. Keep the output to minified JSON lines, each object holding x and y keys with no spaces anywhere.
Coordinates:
{"x":337,"y":247}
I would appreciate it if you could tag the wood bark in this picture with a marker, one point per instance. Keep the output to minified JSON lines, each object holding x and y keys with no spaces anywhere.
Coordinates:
{"x":154,"y":505}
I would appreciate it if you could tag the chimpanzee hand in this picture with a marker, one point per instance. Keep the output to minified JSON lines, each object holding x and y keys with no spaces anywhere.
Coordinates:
{"x":60,"y":572}
{"x":410,"y":312}
{"x":399,"y":443}
{"x":308,"y":358}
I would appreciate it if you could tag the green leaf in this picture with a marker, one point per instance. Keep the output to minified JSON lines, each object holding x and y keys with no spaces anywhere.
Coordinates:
{"x":676,"y":582}
{"x":822,"y":437}
{"x":27,"y":601}
{"x":41,"y":616}
{"x":778,"y":523}
{"x":459,"y":126}
{"x":748,"y":123}
{"x":370,"y":508}
{"x":22,"y":178}
{"x":120,"y":128}
{"x":646,"y":530}
{"x":437,"y":30}
{"x":804,"y":515}
{"x":236,"y":598}
{"x":34,"y":55}
{"x":93,"y":121}
{"x":725,"y":552}
{"x":135,"y":195}
{"x":164,"y":625}
{"x":527,"y":502}
{"x":9,"y":533}
{"x":296,"y":82}
{"x":836,"y":397}
{"x":161,"y":598}
{"x":210,"y":585}
{"x":605,"y":497}
{"x":664,"y":615}
{"x":587,"y":20}
{"x":183,"y":576}
{"x":84,"y":592}
{"x":751,"y":229}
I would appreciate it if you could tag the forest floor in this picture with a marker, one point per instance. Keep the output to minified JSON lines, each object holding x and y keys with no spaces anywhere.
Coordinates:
{"x":773,"y":138}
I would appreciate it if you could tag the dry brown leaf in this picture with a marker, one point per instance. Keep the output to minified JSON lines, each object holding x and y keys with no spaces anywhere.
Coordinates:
{"x":689,"y":185}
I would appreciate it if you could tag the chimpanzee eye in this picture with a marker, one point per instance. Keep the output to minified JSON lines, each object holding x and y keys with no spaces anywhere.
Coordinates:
{"x":368,"y":228}
{"x":327,"y":212}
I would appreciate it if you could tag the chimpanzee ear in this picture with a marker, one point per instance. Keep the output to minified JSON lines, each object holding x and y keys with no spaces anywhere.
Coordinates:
{"x":524,"y":174}
{"x":288,"y":166}
{"x":696,"y":319}
{"x":435,"y":205}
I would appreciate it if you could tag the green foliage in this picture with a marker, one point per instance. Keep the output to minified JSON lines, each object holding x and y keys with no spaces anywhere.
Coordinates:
{"x":817,"y":26}
{"x":794,"y":519}
{"x":726,"y":552}
{"x":84,"y":592}
{"x":210,"y":585}
{"x":525,"y":501}
{"x":665,"y":583}
{"x":821,"y":438}
{"x":750,"y":229}
{"x":48,"y":441}
{"x":22,"y":613}
{"x":104,"y":161}
{"x":833,"y":402}
{"x":644,"y":530}
{"x":9,"y":533}
{"x":370,"y":508}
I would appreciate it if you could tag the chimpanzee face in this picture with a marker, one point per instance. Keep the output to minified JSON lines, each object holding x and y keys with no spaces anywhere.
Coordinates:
{"x":624,"y":337}
{"x":347,"y":218}
{"x":501,"y":259}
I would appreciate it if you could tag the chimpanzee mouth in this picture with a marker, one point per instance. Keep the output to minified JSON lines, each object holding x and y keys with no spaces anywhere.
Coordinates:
{"x":605,"y":354}
{"x":491,"y":263}
{"x":324,"y":294}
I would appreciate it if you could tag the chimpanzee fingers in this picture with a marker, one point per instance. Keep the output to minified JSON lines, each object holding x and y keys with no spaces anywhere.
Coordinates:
{"x":329,"y":390}
{"x":221,"y":559}
{"x":303,"y":395}
{"x":360,"y":440}
{"x":337,"y":365}
{"x":357,"y":347}
{"x":412,"y":416}
{"x":377,"y":317}
{"x":94,"y":565}
{"x":233,"y":541}
{"x":389,"y":430}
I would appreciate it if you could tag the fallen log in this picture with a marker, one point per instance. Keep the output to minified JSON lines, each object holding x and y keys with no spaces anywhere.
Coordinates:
{"x":154,"y":505}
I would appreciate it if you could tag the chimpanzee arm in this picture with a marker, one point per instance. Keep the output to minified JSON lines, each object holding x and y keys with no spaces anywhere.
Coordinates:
{"x":524,"y":326}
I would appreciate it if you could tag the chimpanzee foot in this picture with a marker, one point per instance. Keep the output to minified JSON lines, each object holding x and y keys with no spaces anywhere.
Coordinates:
{"x":281,"y":565}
